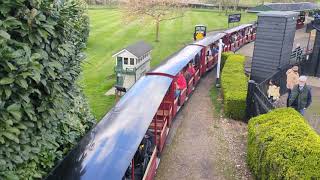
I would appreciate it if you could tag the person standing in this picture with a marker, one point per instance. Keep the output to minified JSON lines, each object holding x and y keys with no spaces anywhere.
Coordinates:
{"x":301,"y":97}
{"x":292,"y":80}
{"x":273,"y":91}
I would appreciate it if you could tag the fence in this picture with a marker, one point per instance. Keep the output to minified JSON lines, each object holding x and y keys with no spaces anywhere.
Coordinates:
{"x":257,"y":98}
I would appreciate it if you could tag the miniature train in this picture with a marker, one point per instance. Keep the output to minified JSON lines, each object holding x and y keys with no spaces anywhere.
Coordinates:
{"x":127,"y":143}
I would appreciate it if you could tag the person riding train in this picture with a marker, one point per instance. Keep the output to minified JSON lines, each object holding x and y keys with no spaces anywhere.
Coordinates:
{"x":190,"y":71}
{"x":180,"y":84}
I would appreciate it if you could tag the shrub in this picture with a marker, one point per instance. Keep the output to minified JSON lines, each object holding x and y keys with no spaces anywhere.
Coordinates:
{"x":224,"y":57}
{"x":234,"y":87}
{"x":42,"y":110}
{"x":281,"y":145}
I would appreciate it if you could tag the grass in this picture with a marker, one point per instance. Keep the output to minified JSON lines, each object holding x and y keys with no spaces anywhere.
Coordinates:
{"x":215,"y":94}
{"x":109,"y":33}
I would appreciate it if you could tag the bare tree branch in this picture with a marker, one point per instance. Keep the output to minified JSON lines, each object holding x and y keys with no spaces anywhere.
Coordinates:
{"x":158,"y":10}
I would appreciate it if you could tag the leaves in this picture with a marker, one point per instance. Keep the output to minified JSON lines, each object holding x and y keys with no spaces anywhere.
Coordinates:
{"x":42,"y":110}
{"x":6,"y":80}
{"x":14,"y":110}
{"x":282,"y":145}
{"x":11,"y":136}
{"x":4,"y":34}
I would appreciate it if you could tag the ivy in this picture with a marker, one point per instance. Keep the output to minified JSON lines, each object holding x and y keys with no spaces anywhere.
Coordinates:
{"x":42,"y":110}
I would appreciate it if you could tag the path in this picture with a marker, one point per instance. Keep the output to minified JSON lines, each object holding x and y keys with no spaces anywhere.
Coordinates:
{"x":202,"y":146}
{"x":313,"y":112}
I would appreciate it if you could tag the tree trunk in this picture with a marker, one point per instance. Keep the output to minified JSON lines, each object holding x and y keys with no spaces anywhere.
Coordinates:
{"x":157,"y":29}
{"x":220,"y":7}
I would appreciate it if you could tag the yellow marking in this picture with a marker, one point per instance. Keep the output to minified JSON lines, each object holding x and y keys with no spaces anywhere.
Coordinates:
{"x":199,"y":36}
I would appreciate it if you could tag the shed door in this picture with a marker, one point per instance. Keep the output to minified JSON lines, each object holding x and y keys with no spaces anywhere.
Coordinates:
{"x":119,"y":62}
{"x":120,"y":80}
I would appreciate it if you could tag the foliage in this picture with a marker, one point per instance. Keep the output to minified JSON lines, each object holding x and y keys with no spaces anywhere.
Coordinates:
{"x":281,"y":145}
{"x":224,"y":57}
{"x":234,"y":87}
{"x":42,"y":110}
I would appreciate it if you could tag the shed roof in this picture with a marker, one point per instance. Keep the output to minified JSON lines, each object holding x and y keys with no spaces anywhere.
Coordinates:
{"x":138,"y":49}
{"x":300,"y":6}
{"x":285,"y":14}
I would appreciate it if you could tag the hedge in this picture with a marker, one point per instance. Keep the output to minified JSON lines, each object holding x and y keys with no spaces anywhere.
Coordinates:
{"x":234,"y":87}
{"x":224,"y":57}
{"x":281,"y":145}
{"x":42,"y":109}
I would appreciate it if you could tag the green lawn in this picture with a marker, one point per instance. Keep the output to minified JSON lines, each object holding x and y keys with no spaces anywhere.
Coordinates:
{"x":108,"y":34}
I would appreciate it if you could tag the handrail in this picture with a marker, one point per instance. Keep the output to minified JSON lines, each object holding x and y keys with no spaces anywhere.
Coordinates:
{"x":160,"y":74}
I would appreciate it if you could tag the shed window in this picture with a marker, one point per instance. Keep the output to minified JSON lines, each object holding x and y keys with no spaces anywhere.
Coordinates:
{"x":131,"y":61}
{"x":125,"y":60}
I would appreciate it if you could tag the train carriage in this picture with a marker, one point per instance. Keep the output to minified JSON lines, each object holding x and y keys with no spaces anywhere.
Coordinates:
{"x":238,"y":36}
{"x":128,"y":141}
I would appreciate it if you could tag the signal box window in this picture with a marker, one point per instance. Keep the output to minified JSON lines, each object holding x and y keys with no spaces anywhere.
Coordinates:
{"x":125,"y":60}
{"x":131,"y":61}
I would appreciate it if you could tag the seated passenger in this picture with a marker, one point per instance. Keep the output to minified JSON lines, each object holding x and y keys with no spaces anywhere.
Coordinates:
{"x":191,"y":69}
{"x":180,"y":84}
{"x":215,"y":49}
{"x":190,"y":72}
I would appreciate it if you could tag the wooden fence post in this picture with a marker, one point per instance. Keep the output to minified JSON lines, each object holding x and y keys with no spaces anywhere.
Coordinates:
{"x":250,"y":108}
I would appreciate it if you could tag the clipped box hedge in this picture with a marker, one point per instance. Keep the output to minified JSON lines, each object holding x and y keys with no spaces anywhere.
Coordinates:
{"x":234,"y":86}
{"x":281,"y":145}
{"x":224,"y":57}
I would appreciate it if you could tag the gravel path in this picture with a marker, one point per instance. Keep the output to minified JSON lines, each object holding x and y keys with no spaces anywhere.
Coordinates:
{"x":202,"y":146}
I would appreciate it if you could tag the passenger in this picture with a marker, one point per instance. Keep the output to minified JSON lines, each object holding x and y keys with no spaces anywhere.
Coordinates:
{"x":273,"y":91}
{"x":251,"y":30}
{"x":215,"y":49}
{"x":190,"y":71}
{"x":239,"y":36}
{"x":180,"y":84}
{"x":301,"y":97}
{"x":234,"y":38}
{"x":292,"y":80}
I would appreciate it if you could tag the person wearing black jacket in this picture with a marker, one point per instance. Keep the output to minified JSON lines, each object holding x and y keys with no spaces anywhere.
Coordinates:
{"x":301,"y":97}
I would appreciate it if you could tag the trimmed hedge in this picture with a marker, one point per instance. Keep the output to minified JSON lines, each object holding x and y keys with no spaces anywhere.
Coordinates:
{"x":42,"y":109}
{"x":281,"y":145}
{"x":234,"y":86}
{"x":224,"y":57}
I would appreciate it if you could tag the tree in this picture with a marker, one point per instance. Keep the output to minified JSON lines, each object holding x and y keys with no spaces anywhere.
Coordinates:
{"x":236,"y":5}
{"x":42,"y":110}
{"x":158,"y":10}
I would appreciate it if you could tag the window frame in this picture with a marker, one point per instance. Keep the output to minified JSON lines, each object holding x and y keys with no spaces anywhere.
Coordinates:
{"x":126,"y":61}
{"x":132,"y":60}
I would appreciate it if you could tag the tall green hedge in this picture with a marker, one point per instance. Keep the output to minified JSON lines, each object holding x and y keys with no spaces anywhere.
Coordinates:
{"x":42,"y":110}
{"x":224,"y":57}
{"x":234,"y":86}
{"x":281,"y":145}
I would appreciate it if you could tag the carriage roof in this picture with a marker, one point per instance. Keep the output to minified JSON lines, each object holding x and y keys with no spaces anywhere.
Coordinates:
{"x":235,"y":29}
{"x":177,"y":62}
{"x":209,"y":39}
{"x":107,"y":150}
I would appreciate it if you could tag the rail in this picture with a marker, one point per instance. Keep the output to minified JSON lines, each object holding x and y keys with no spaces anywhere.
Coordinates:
{"x":131,"y":71}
